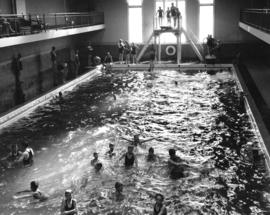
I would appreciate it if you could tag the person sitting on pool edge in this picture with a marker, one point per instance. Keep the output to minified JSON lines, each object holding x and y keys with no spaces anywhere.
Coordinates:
{"x":130,"y":157}
{"x":111,"y":152}
{"x":34,"y":192}
{"x":136,"y":140}
{"x":27,"y":156}
{"x":95,"y":160}
{"x":151,"y":157}
{"x":69,"y":205}
{"x":159,"y":207}
{"x":175,"y":165}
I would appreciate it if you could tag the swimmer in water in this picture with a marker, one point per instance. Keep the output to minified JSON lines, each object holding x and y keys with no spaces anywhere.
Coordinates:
{"x":27,"y":156}
{"x":33,"y":192}
{"x":130,"y":157}
{"x":69,"y":205}
{"x":118,"y":195}
{"x":159,"y":207}
{"x":111,"y":152}
{"x":13,"y":155}
{"x":98,"y":167}
{"x":95,"y":160}
{"x":151,"y":157}
{"x":136,"y":140}
{"x":176,"y":166}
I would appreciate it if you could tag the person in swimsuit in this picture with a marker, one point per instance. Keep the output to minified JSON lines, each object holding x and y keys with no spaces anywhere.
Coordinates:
{"x":127,"y":51}
{"x":160,"y":13}
{"x":136,"y":140}
{"x":27,"y":156}
{"x":174,"y":14}
{"x":168,"y":15}
{"x":118,"y":195}
{"x":151,"y":157}
{"x":33,"y":192}
{"x":111,"y":152}
{"x":121,"y":46}
{"x":69,"y":205}
{"x":133,"y":52}
{"x":176,"y":165}
{"x":159,"y":207}
{"x":130,"y":157}
{"x":95,"y":160}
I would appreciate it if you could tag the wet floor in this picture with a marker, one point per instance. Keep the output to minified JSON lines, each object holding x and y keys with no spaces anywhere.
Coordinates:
{"x":195,"y":112}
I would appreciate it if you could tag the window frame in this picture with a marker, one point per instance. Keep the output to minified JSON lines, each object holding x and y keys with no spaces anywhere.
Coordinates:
{"x":203,"y":5}
{"x":130,"y":7}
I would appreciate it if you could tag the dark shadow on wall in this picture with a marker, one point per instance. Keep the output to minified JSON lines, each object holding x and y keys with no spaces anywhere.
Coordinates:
{"x":39,"y":74}
{"x":17,"y":67}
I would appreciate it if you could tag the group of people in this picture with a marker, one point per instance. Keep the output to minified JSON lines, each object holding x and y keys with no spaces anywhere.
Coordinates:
{"x":127,"y":52}
{"x":69,"y":205}
{"x":61,"y":69}
{"x":172,"y":13}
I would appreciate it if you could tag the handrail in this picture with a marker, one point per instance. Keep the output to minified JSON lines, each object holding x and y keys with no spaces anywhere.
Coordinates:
{"x":258,"y":18}
{"x":18,"y":24}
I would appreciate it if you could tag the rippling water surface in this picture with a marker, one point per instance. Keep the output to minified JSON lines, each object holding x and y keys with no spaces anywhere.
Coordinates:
{"x":194,"y":112}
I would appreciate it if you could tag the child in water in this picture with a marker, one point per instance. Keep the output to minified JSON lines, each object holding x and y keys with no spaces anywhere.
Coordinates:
{"x":69,"y":205}
{"x":111,"y":152}
{"x":95,"y":160}
{"x":33,"y":192}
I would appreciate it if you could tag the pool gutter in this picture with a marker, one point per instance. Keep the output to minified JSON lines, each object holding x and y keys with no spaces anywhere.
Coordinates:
{"x":256,"y":118}
{"x":12,"y":116}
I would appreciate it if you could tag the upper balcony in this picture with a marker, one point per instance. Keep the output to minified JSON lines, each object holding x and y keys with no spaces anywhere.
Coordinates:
{"x":16,"y":29}
{"x":256,"y":22}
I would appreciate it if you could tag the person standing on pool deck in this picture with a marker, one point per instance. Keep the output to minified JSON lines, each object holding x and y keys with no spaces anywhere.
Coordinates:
{"x":168,"y":15}
{"x":54,"y":65}
{"x":121,"y":46}
{"x":160,"y":13}
{"x":133,"y":52}
{"x":136,"y":140}
{"x":27,"y":156}
{"x":130,"y":157}
{"x":159,"y":208}
{"x":69,"y":205}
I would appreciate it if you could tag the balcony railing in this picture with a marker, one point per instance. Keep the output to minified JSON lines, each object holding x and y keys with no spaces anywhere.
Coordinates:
{"x":258,"y":18}
{"x":19,"y":24}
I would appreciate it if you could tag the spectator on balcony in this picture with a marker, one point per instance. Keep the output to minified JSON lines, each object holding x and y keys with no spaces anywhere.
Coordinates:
{"x":6,"y":27}
{"x":54,"y":65}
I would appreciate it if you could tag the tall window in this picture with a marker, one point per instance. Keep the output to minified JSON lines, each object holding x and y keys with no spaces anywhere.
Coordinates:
{"x":167,"y":38}
{"x":135,"y":21}
{"x":206,"y":19}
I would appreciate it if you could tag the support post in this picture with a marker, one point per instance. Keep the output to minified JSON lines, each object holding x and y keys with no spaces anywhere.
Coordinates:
{"x":179,"y":46}
{"x":159,"y":49}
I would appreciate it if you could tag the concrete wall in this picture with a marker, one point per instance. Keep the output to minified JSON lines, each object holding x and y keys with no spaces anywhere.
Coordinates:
{"x":5,"y":6}
{"x":48,"y":6}
{"x":36,"y":76}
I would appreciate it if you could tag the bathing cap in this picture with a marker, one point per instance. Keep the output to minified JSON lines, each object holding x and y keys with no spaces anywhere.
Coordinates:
{"x":68,"y":191}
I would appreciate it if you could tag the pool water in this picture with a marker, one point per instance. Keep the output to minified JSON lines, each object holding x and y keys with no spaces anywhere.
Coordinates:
{"x":196,"y":113}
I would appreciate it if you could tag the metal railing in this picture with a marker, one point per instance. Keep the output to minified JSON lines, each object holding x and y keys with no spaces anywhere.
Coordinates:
{"x":258,"y":18}
{"x":20,"y":24}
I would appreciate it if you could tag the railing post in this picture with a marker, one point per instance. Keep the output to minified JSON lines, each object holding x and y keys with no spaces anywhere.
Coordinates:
{"x":55,"y":20}
{"x":44,"y":22}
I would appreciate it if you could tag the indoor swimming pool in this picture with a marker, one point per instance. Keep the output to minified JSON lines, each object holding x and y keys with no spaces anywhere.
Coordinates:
{"x":195,"y":112}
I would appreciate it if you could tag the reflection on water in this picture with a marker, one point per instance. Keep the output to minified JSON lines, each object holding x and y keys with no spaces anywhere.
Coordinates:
{"x":199,"y":116}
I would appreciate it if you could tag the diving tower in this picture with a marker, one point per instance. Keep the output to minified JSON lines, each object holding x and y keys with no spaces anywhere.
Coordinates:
{"x":158,"y":30}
